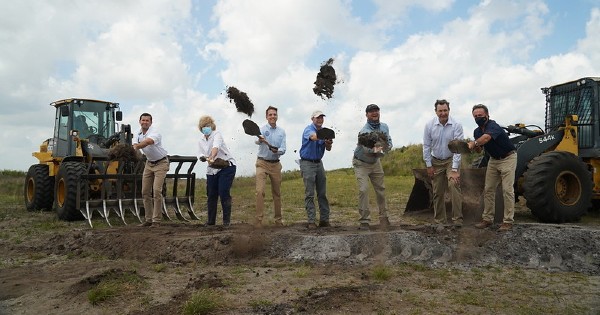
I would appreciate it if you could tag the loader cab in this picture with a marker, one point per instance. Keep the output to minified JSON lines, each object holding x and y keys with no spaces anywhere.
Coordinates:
{"x":90,"y":120}
{"x":582,"y":98}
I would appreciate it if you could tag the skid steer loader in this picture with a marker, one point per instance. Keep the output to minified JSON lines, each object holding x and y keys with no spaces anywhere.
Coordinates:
{"x":558,"y":170}
{"x":77,"y":176}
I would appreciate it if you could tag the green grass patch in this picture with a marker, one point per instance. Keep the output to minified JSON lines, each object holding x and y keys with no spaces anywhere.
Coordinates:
{"x":113,"y":284}
{"x":204,"y":301}
{"x":382,"y":273}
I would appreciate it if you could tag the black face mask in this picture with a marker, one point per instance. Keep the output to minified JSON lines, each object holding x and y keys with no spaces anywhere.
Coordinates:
{"x":480,"y":121}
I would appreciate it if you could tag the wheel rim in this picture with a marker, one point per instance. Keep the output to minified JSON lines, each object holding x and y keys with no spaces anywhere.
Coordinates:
{"x":30,"y":190}
{"x":60,"y":193}
{"x":567,"y":188}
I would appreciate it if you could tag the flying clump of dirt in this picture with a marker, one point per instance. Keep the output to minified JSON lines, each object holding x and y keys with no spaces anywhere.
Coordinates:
{"x":326,"y":80}
{"x":242,"y":102}
{"x":373,"y":139}
{"x":123,"y":152}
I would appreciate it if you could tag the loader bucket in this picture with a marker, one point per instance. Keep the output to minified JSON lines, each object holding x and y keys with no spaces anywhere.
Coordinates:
{"x":472,"y":183}
{"x":122,"y":190}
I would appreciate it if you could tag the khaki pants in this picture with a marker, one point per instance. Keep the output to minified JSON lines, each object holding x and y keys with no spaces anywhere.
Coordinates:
{"x":500,"y":171}
{"x":440,"y":183}
{"x":152,"y":184}
{"x":373,"y":172}
{"x":273,"y":171}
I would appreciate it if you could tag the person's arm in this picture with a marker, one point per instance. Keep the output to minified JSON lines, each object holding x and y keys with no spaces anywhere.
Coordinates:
{"x":458,"y":135}
{"x":282,"y":147}
{"x":144,"y":143}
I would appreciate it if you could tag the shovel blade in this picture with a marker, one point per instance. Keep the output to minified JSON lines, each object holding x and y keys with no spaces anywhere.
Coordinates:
{"x":251,"y":128}
{"x":325,"y":133}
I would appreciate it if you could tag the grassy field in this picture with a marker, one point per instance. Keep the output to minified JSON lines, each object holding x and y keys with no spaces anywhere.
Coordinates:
{"x":341,"y":186}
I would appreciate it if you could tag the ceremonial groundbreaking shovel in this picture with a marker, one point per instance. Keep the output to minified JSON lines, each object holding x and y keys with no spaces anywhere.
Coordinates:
{"x":252,"y":129}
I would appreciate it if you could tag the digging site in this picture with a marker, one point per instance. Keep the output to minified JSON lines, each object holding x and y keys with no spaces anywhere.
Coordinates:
{"x":410,"y":267}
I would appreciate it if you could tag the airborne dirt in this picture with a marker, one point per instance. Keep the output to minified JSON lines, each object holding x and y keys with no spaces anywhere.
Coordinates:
{"x":533,"y":269}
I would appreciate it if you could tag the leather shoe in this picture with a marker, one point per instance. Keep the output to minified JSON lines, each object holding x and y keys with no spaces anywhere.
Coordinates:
{"x":324,"y":224}
{"x":145,"y":224}
{"x":311,"y":226}
{"x":364,"y":226}
{"x":505,"y":227}
{"x":483,"y":224}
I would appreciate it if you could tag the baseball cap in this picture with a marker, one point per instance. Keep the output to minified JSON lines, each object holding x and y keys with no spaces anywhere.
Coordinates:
{"x":317,"y":113}
{"x":371,"y":107}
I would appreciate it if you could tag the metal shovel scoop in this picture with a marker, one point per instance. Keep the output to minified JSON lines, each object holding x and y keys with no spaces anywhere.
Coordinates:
{"x":252,"y":129}
{"x":325,"y":133}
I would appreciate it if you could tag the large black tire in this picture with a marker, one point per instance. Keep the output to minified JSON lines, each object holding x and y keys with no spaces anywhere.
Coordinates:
{"x":39,"y":188}
{"x":558,"y":187}
{"x":65,"y":196}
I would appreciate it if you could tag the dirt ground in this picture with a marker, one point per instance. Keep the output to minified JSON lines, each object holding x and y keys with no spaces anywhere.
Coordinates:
{"x":534,"y":269}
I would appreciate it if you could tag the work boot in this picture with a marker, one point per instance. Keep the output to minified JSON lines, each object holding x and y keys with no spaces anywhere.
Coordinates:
{"x":364,"y":226}
{"x":483,"y":224}
{"x":311,"y":226}
{"x":505,"y":227}
{"x":155,"y":224}
{"x":145,"y":224}
{"x":324,"y":224}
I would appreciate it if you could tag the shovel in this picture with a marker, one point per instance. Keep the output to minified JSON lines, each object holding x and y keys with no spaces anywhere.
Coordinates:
{"x":325,"y":133}
{"x":458,"y":146}
{"x":252,"y":129}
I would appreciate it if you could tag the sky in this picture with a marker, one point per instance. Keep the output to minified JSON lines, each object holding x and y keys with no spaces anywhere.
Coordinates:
{"x":175,"y":59}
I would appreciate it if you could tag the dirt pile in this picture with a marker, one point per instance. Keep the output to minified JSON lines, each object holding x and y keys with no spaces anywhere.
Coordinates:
{"x":242,"y":102}
{"x":326,"y":80}
{"x":372,"y":139}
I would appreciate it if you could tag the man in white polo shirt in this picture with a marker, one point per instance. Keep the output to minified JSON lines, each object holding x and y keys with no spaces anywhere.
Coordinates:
{"x":149,"y":141}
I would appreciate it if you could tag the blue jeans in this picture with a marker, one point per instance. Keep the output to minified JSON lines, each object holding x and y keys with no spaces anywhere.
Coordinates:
{"x":219,"y":186}
{"x":314,"y":177}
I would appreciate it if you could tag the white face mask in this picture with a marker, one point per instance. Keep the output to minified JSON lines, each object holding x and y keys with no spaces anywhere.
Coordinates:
{"x":206,"y":130}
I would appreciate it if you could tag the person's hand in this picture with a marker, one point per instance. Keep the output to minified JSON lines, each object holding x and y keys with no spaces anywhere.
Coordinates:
{"x":328,"y":144}
{"x":430,"y":171}
{"x":455,"y":177}
{"x":274,"y":150}
{"x":377,"y":149}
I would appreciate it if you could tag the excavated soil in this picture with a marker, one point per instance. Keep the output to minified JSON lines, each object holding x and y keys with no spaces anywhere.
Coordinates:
{"x":279,"y":270}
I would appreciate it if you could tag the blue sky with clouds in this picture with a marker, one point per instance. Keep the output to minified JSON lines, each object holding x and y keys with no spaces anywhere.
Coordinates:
{"x":174,"y":58}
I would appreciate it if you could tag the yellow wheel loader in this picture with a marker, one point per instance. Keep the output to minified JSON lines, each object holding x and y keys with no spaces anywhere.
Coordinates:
{"x":558,"y":170}
{"x":81,"y":171}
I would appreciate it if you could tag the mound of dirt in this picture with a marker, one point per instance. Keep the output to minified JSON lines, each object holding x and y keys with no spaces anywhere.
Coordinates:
{"x":242,"y":102}
{"x":326,"y":79}
{"x":372,"y":139}
{"x":124,"y":152}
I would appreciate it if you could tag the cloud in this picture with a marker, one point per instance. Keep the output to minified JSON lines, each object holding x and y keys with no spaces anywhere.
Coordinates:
{"x":166,"y":58}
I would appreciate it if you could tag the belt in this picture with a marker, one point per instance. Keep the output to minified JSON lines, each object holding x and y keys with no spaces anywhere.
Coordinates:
{"x":309,"y":160}
{"x":156,"y":162}
{"x":506,"y":155}
{"x":270,"y":161}
{"x":441,"y":159}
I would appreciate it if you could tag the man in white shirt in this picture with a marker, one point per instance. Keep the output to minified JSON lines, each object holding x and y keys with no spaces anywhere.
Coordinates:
{"x":149,"y":141}
{"x":442,"y":165}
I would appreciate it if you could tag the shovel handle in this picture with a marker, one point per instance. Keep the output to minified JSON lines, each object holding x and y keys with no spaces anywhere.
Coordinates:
{"x":267,"y":143}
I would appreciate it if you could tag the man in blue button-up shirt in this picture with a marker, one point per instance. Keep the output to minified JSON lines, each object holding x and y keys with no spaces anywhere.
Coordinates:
{"x":271,"y":145}
{"x":443,"y":167}
{"x":312,"y":170}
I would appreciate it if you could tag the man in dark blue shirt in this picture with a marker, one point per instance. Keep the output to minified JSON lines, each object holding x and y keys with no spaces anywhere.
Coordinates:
{"x":312,"y":170}
{"x":501,"y":167}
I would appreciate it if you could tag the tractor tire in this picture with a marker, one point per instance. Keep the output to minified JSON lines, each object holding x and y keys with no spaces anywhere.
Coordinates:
{"x":39,"y":188}
{"x":558,"y":187}
{"x":65,"y":193}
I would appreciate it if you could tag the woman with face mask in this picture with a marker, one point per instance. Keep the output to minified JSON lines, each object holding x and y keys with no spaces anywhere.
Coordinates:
{"x":218,"y":179}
